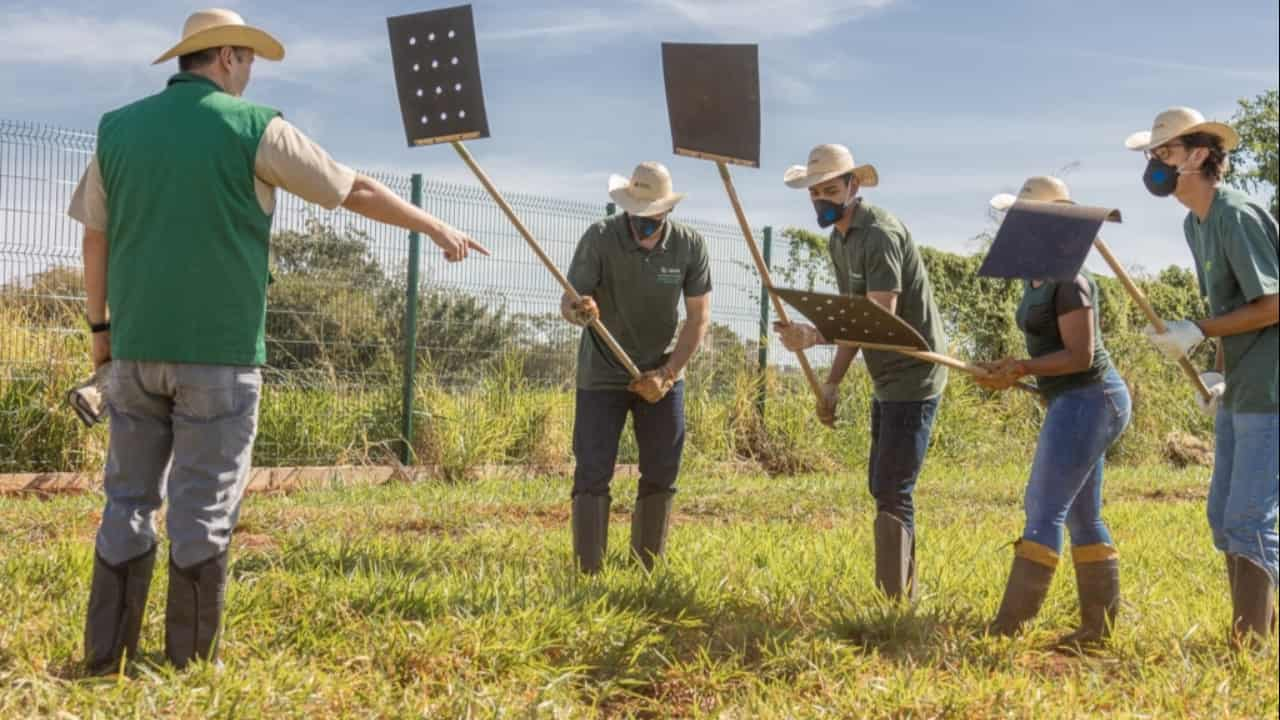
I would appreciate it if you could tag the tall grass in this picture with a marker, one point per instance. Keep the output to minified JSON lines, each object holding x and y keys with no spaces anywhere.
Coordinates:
{"x":502,"y":417}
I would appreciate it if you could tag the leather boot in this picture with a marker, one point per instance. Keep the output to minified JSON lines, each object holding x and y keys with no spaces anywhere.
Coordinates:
{"x":1252,"y":603}
{"x":193,"y":614}
{"x":117,"y":601}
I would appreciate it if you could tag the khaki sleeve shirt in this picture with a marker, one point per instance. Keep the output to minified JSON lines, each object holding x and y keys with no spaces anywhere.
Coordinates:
{"x":286,"y":159}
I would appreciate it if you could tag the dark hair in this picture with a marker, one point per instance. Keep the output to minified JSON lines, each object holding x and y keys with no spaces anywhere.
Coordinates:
{"x":1215,"y":166}
{"x":201,"y":58}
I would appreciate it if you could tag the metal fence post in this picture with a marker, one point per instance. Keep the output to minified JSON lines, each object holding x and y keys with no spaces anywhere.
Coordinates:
{"x":610,"y":209}
{"x":410,"y":330}
{"x":763,"y":345}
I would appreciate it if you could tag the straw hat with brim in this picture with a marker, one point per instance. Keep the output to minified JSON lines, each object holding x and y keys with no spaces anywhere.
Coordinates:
{"x":647,"y":193}
{"x":1041,"y":188}
{"x":220,"y":28}
{"x":1177,"y":122}
{"x":827,"y":162}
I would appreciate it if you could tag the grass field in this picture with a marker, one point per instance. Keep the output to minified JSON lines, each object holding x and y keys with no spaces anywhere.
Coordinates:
{"x":459,"y":600}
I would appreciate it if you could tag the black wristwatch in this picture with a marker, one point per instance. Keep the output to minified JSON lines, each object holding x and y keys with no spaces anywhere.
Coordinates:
{"x":101,"y":327}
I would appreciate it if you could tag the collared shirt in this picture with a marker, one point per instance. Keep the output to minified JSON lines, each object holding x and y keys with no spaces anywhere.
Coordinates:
{"x":1235,"y":251}
{"x":286,"y":159}
{"x":877,"y":254}
{"x":638,"y":292}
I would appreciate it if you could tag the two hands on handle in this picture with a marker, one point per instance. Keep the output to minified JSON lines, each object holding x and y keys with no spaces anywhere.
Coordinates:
{"x":653,"y":385}
{"x":1180,"y":338}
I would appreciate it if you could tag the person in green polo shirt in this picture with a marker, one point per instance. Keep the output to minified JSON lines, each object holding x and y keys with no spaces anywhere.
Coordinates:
{"x":632,"y":270}
{"x":177,"y":205}
{"x":1234,"y":243}
{"x":873,"y":255}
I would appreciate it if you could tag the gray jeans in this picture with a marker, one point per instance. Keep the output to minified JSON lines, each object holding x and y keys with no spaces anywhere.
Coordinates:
{"x":179,"y":431}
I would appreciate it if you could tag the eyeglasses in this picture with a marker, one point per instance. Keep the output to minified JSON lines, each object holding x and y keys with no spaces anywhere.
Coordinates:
{"x":1163,"y":152}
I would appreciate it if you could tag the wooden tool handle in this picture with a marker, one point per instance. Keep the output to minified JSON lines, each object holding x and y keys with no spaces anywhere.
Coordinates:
{"x":764,"y":273}
{"x":939,"y":359}
{"x":1139,"y":297}
{"x":596,"y":325}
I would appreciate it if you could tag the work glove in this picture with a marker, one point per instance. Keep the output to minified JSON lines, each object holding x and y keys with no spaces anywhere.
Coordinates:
{"x":88,"y":399}
{"x":797,"y":337}
{"x":1181,"y":338}
{"x":654,"y":384}
{"x":1217,"y":385}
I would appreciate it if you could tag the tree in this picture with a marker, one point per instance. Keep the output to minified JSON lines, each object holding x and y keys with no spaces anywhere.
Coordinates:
{"x":1257,"y":160}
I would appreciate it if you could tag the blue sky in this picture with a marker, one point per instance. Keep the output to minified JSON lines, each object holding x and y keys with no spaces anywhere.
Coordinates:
{"x":951,"y":101}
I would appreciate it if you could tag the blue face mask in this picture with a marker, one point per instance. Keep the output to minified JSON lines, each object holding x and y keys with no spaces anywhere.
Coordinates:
{"x":828,"y":212}
{"x":645,"y":226}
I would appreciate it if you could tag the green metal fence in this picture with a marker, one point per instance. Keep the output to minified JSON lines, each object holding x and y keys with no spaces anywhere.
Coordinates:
{"x":348,"y":297}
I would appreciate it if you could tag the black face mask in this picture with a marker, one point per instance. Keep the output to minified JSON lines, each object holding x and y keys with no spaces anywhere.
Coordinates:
{"x":645,"y":226}
{"x":828,"y":212}
{"x":1160,"y":178}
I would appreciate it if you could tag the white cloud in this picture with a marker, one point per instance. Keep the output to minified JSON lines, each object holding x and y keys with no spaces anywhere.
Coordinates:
{"x":757,"y":19}
{"x":58,"y":38}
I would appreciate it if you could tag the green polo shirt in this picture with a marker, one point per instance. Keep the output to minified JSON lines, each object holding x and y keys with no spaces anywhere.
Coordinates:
{"x":639,"y":293}
{"x":1235,"y":252}
{"x":878,"y":255}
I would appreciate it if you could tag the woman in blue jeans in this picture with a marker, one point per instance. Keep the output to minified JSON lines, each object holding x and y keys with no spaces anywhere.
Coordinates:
{"x":1088,"y":406}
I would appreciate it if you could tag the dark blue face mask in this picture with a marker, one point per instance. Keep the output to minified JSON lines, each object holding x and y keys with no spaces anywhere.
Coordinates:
{"x":645,"y":226}
{"x":828,"y":212}
{"x":1160,"y":178}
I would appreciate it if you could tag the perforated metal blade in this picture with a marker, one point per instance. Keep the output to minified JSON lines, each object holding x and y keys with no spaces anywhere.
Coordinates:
{"x":437,"y":71}
{"x":853,"y":318}
{"x":1044,"y":241}
{"x":713,"y":101}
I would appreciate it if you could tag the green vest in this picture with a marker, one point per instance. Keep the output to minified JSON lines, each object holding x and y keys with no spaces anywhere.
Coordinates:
{"x":187,"y":264}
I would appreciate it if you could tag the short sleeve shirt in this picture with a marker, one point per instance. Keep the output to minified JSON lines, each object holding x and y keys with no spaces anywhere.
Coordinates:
{"x":878,"y":255}
{"x":639,"y":293}
{"x":286,"y":159}
{"x":1037,"y":317}
{"x":1235,"y":251}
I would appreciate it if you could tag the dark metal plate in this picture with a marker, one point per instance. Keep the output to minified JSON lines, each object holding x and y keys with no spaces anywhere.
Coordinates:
{"x":1044,"y":241}
{"x":854,"y":318}
{"x":438,"y":76}
{"x":713,"y":100}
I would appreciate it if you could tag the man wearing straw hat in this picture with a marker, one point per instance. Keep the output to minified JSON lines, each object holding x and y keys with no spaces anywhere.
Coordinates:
{"x":177,"y":205}
{"x":873,"y":255}
{"x":1234,"y":243}
{"x":632,"y":271}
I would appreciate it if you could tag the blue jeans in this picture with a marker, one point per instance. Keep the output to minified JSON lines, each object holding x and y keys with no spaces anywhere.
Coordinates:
{"x":179,"y":431}
{"x":900,"y":433}
{"x":1066,"y":477}
{"x":599,"y":417}
{"x":1245,"y":490}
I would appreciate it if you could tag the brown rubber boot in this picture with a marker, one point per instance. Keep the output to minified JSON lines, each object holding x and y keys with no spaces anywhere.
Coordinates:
{"x":1098,"y":588}
{"x":895,"y":558}
{"x":649,"y":523}
{"x":590,"y":525}
{"x":1252,"y":603}
{"x":1033,"y":568}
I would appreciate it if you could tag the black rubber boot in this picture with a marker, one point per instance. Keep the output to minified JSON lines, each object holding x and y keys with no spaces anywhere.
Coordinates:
{"x":1252,"y":603}
{"x":649,"y":526}
{"x":895,"y":558}
{"x":1023,"y":595}
{"x":193,"y":615}
{"x":590,"y":525}
{"x":117,"y":601}
{"x":1098,"y":587}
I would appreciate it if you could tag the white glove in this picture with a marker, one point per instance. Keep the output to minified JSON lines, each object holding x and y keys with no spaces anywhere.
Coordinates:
{"x":1217,"y":385}
{"x":1181,"y":338}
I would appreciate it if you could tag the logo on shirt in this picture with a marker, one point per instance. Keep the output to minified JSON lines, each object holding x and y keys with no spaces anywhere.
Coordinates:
{"x":669,"y":276}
